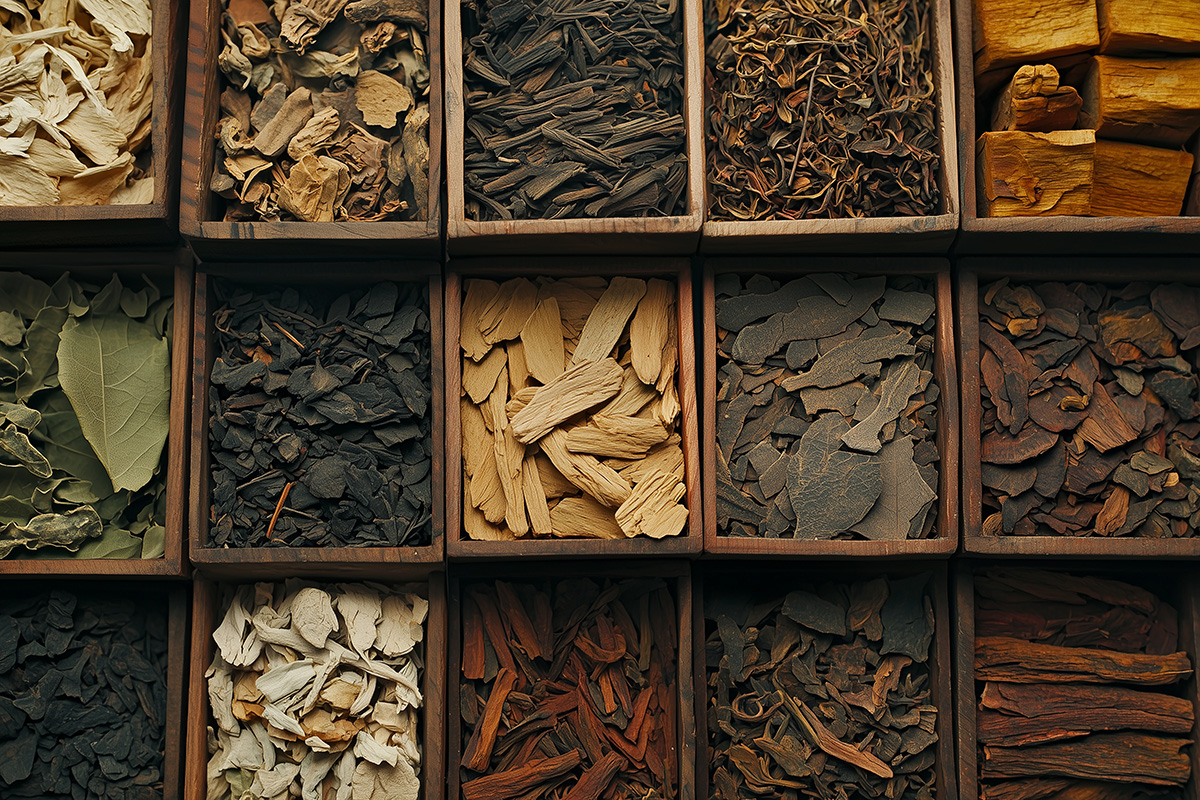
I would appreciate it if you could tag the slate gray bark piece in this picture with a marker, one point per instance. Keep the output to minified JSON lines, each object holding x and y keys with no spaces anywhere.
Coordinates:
{"x":735,"y":313}
{"x":843,"y":399}
{"x":900,"y":384}
{"x":730,"y":422}
{"x":830,"y":489}
{"x":912,"y":307}
{"x":907,"y":619}
{"x":815,"y":613}
{"x":800,"y":352}
{"x":851,"y":360}
{"x":813,"y":317}
{"x":903,"y":496}
{"x":1010,"y":481}
{"x":835,"y":286}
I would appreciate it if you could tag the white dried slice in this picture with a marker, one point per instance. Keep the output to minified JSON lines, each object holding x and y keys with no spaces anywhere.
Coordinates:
{"x":395,"y":636}
{"x":280,"y":720}
{"x":96,"y":186}
{"x":313,"y":770}
{"x":245,"y":751}
{"x":22,"y":183}
{"x":54,"y":159}
{"x":366,"y":748}
{"x":269,"y":783}
{"x":344,"y":773}
{"x":220,"y":694}
{"x":313,"y":616}
{"x":371,"y":782}
{"x":366,"y":695}
{"x":134,"y":193}
{"x":279,"y":684}
{"x":234,"y":637}
{"x":95,"y":131}
{"x":128,"y":16}
{"x":341,"y":693}
{"x":359,"y":608}
{"x":381,"y":98}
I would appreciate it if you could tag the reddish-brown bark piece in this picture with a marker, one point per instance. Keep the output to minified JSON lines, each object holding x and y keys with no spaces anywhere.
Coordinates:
{"x":999,"y":658}
{"x":517,"y":781}
{"x":1124,"y":757}
{"x":479,"y":748}
{"x":1031,"y":442}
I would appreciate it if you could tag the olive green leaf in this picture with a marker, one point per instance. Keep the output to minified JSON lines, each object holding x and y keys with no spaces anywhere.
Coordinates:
{"x":68,"y":530}
{"x":64,"y":444}
{"x":117,"y":374}
{"x":113,"y":543}
{"x":15,"y":444}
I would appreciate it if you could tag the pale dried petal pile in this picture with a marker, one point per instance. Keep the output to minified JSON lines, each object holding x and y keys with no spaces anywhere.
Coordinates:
{"x":315,"y":691}
{"x":75,"y":101}
{"x":570,"y":409}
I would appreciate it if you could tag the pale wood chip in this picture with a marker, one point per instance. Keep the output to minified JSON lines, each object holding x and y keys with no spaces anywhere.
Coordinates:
{"x":632,"y":398}
{"x":585,"y":471}
{"x":543,"y":340}
{"x":667,"y":457}
{"x":479,"y":379}
{"x":554,"y":484}
{"x":648,"y":330}
{"x":584,"y":517}
{"x":518,"y":369}
{"x":584,"y":386}
{"x":535,"y":498}
{"x":381,"y":98}
{"x":479,"y":294}
{"x":607,"y":321}
{"x":653,"y":508}
{"x":477,"y":525}
{"x":506,"y":315}
{"x":616,"y":436}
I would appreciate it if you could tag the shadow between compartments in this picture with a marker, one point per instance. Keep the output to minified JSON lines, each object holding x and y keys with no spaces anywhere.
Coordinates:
{"x":331,"y":562}
{"x":945,"y":372}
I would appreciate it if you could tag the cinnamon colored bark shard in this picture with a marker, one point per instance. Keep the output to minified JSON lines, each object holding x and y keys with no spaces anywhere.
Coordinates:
{"x":1032,"y":441}
{"x":1005,"y":659}
{"x":1129,"y":757}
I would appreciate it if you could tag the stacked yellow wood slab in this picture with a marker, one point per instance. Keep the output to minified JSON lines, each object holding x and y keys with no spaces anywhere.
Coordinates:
{"x":1091,"y":106}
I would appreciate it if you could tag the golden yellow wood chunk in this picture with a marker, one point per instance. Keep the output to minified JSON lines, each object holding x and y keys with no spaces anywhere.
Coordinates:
{"x":1022,"y":174}
{"x":1146,"y":100}
{"x":1011,"y":32}
{"x":1129,"y":27}
{"x":1135,"y":180}
{"x":1035,"y":101}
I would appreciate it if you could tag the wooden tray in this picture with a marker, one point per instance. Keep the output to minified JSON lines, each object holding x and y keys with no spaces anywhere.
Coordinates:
{"x":331,"y":562}
{"x":201,"y":213}
{"x":945,"y":372}
{"x":786,"y":580}
{"x":458,"y":546}
{"x":678,"y":576}
{"x":171,"y":270}
{"x":206,"y":616}
{"x":1068,"y":235}
{"x":676,"y":235}
{"x":1174,"y":583}
{"x":175,"y":596}
{"x":931,"y":234}
{"x":150,"y":223}
{"x":971,"y":272}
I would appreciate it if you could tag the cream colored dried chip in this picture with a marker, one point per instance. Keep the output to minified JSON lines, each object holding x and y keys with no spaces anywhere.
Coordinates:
{"x":381,"y":99}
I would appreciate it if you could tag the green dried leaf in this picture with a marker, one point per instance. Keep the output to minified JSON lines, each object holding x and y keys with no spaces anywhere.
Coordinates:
{"x":68,"y":530}
{"x":21,"y":416}
{"x":64,"y":444}
{"x":12,"y":329}
{"x":41,"y":353}
{"x":113,"y":543}
{"x":154,"y":542}
{"x":17,"y":445}
{"x":117,"y":374}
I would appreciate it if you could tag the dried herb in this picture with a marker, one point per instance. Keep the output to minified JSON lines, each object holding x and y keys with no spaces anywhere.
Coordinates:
{"x":569,"y":688}
{"x":823,"y":694}
{"x":83,"y":696}
{"x":573,"y":109}
{"x":325,"y":116}
{"x":826,"y":408}
{"x":85,"y":394}
{"x":1068,"y":672}
{"x":316,"y":691}
{"x":78,"y":89}
{"x":821,"y":110}
{"x":587,"y":444}
{"x":1090,"y":415}
{"x":320,"y":417}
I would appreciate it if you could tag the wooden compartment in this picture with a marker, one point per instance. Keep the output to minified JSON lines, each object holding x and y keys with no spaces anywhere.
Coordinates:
{"x":172,"y":272}
{"x":1068,"y":235}
{"x":280,"y":562}
{"x":175,"y":596}
{"x":201,"y":213}
{"x":677,"y":575}
{"x":770,"y":581}
{"x":1173,"y":583}
{"x":929,"y":234}
{"x":972,"y":273}
{"x":153,"y":223}
{"x":623,"y":235}
{"x":206,"y":615}
{"x":458,"y":545}
{"x":945,"y":373}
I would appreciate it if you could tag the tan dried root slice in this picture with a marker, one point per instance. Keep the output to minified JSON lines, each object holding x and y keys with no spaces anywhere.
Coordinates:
{"x":586,"y":472}
{"x":479,"y":295}
{"x":653,"y":508}
{"x":616,"y":436}
{"x":667,"y":457}
{"x":607,"y":321}
{"x":583,"y":517}
{"x":582,"y":387}
{"x":535,"y":498}
{"x":648,"y":333}
{"x":542,"y":337}
{"x":478,"y":379}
